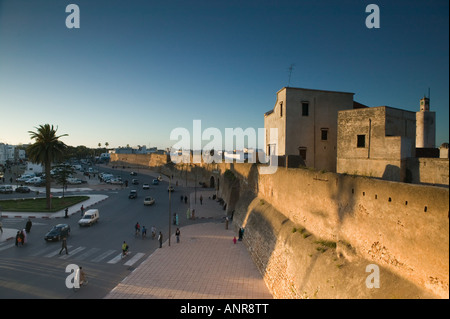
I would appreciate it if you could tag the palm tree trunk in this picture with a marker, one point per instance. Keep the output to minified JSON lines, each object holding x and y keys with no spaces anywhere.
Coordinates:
{"x":48,"y":184}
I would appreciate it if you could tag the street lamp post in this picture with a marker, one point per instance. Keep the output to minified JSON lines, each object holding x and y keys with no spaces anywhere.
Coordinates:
{"x":170,"y":206}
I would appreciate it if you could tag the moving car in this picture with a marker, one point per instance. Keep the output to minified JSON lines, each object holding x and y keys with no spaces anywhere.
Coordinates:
{"x":170,"y":189}
{"x":149,"y":201}
{"x":133,"y":173}
{"x":90,"y":217}
{"x":145,"y":186}
{"x":155,"y":182}
{"x":57,"y":232}
{"x":133,"y":194}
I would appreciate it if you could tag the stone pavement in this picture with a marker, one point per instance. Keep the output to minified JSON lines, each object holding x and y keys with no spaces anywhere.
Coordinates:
{"x":206,"y":264}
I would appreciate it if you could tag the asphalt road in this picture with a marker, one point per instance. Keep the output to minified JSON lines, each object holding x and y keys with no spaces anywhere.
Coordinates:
{"x":36,"y":270}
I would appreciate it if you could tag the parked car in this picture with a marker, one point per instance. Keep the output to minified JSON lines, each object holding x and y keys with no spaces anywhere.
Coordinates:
{"x":25,"y":177}
{"x":57,"y":232}
{"x":40,"y":183}
{"x":133,"y":194}
{"x":149,"y":201}
{"x":73,"y":180}
{"x":145,"y":186}
{"x":90,"y":217}
{"x":23,"y":189}
{"x":115,"y":181}
{"x":155,"y":182}
{"x":6,"y":189}
{"x":33,"y":180}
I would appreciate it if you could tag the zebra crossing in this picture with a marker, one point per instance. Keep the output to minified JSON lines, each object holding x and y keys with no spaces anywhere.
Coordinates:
{"x":81,"y":253}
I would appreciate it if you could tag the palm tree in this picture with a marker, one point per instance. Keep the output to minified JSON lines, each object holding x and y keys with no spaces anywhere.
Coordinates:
{"x":46,"y":149}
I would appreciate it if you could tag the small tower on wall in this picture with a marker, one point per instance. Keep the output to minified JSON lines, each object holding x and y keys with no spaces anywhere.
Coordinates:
{"x":425,"y":125}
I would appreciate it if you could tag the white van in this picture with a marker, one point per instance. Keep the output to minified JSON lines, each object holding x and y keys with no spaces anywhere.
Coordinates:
{"x":90,"y":217}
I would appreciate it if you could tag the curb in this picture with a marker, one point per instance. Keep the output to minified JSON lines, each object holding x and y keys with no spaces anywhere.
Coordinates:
{"x":53,"y":217}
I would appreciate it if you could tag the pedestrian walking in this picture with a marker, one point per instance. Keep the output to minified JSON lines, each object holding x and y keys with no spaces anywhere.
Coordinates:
{"x":177,"y":233}
{"x":185,"y":199}
{"x":188,"y":213}
{"x":201,"y":200}
{"x":28,"y":225}
{"x":226,"y":223}
{"x":82,"y":210}
{"x":160,"y":238}
{"x":64,"y":246}
{"x":234,"y":240}
{"x":24,"y":236}
{"x":66,"y":212}
{"x":1,"y":227}
{"x":176,"y":219}
{"x":18,"y":239}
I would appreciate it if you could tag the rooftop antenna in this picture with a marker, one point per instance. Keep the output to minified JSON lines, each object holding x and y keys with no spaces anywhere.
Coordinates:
{"x":291,"y":67}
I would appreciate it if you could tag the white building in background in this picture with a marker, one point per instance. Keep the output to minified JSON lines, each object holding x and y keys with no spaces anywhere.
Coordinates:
{"x":6,"y":153}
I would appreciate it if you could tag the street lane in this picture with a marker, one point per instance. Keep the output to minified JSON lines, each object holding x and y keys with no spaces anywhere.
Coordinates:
{"x":37,"y":271}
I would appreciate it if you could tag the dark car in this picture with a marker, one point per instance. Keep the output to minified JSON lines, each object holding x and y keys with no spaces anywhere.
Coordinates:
{"x":134,"y":181}
{"x":133,"y":173}
{"x":57,"y":232}
{"x":23,"y":189}
{"x":133,"y":194}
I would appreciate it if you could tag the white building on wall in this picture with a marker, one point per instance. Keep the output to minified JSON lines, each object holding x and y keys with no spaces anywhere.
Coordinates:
{"x":425,"y":125}
{"x":306,"y":120}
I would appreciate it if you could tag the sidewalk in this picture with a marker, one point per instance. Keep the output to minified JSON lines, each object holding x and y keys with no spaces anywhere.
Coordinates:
{"x":206,"y":264}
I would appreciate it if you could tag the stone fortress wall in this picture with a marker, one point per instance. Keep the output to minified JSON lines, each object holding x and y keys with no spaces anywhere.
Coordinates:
{"x":312,"y":234}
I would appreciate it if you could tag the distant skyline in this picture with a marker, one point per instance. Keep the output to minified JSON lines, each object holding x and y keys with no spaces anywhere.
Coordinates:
{"x":135,"y":70}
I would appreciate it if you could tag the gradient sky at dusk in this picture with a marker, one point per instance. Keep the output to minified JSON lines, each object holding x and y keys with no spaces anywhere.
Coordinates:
{"x":137,"y":69}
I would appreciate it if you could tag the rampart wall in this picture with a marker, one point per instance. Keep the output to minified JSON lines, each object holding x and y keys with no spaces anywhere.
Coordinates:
{"x":403,"y":228}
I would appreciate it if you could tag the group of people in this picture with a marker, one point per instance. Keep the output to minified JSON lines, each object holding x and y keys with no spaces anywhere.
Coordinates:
{"x":137,"y":229}
{"x":143,"y":232}
{"x":21,"y":236}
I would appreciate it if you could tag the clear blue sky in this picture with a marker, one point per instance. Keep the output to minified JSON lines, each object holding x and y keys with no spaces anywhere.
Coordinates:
{"x":137,"y":69}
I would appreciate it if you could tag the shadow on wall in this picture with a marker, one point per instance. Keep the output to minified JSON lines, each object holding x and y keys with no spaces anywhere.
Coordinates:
{"x":392,"y":173}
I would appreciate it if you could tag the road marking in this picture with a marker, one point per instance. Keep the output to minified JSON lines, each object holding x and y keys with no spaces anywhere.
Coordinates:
{"x":73,"y":252}
{"x":42,"y":251}
{"x":6,"y":247}
{"x":133,"y":260}
{"x":116,"y":259}
{"x":103,"y":256}
{"x":56,"y":252}
{"x":87,"y":254}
